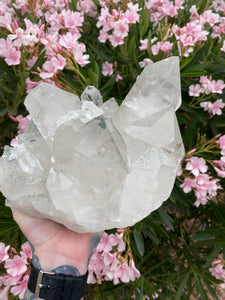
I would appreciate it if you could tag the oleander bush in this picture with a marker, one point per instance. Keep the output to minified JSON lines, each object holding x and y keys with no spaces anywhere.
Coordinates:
{"x":178,"y":251}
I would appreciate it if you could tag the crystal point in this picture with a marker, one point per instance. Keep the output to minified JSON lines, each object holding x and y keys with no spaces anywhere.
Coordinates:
{"x":92,"y":165}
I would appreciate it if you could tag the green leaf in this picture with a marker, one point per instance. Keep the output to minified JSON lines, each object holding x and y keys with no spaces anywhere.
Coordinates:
{"x":150,"y":232}
{"x":131,"y":47}
{"x":96,"y":2}
{"x":39,"y":62}
{"x":200,"y":288}
{"x":218,"y":210}
{"x":146,"y":23}
{"x":211,"y":290}
{"x":193,"y":73}
{"x":219,"y":59}
{"x":7,"y":69}
{"x":74,"y":4}
{"x":3,"y":112}
{"x":204,"y":236}
{"x":212,"y":256}
{"x":108,"y":86}
{"x":185,"y":62}
{"x":139,"y":241}
{"x":73,"y":85}
{"x":166,"y":218}
{"x":175,"y":46}
{"x":150,"y":42}
{"x":8,"y":230}
{"x":138,"y":227}
{"x":6,"y":88}
{"x":181,"y":287}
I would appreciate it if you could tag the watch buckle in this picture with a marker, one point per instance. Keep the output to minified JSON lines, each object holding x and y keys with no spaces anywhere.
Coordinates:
{"x":39,"y":281}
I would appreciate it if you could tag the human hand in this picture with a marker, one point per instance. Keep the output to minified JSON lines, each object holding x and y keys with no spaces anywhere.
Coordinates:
{"x":55,"y":246}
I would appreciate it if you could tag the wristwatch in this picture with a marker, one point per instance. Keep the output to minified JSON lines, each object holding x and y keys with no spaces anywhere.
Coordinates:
{"x":56,"y":286}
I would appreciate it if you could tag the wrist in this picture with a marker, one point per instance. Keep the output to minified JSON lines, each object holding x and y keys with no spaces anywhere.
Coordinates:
{"x":59,"y":263}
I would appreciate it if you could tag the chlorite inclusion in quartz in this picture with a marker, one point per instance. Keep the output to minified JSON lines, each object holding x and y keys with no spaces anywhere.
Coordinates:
{"x":92,"y":165}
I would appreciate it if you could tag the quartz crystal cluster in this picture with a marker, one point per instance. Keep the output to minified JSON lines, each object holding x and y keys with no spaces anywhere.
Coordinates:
{"x":92,"y":165}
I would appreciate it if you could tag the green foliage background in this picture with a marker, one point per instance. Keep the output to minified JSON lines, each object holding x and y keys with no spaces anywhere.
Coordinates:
{"x":174,"y":246}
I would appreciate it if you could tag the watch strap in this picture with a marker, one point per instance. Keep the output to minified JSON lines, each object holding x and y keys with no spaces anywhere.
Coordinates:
{"x":56,"y":286}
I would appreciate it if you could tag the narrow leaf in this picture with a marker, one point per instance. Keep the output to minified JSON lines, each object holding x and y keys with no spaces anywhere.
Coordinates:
{"x":181,"y":287}
{"x":166,"y":218}
{"x":74,"y":4}
{"x":139,"y":242}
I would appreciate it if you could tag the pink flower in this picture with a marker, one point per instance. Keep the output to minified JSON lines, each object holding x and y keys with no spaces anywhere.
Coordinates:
{"x":72,"y":19}
{"x":103,"y":37}
{"x":117,"y":240}
{"x":116,"y":40}
{"x":206,"y":83}
{"x":188,"y":184}
{"x":105,"y":244}
{"x":223,"y":47}
{"x":21,"y":288}
{"x":23,"y":122}
{"x":6,"y":20}
{"x":195,"y":90}
{"x":4,"y":46}
{"x":211,"y":17}
{"x":205,"y":189}
{"x":107,"y":68}
{"x":220,"y":173}
{"x":200,"y":199}
{"x":131,"y":15}
{"x":144,"y":44}
{"x":81,"y":59}
{"x":134,"y":272}
{"x":68,"y":40}
{"x":121,"y":28}
{"x":31,"y":62}
{"x":12,"y":56}
{"x":88,"y":7}
{"x":48,"y":70}
{"x":59,"y":62}
{"x":13,"y":280}
{"x":16,"y":266}
{"x":14,"y":142}
{"x":218,"y":272}
{"x":27,"y":250}
{"x":145,"y":62}
{"x":213,"y":108}
{"x":186,"y":40}
{"x":3,"y":252}
{"x":196,"y":165}
{"x":217,"y":106}
{"x":109,"y":259}
{"x":118,"y":77}
{"x":155,"y":48}
{"x":122,"y":273}
{"x":166,"y":46}
{"x":179,"y":4}
{"x":179,"y":171}
{"x":207,"y":106}
{"x":221,"y":142}
{"x":217,"y":86}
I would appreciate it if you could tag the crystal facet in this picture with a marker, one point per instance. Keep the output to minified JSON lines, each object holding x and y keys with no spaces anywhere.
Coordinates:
{"x":92,"y":165}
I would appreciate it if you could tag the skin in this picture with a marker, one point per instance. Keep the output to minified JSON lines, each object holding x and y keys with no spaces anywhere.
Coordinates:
{"x":55,"y":247}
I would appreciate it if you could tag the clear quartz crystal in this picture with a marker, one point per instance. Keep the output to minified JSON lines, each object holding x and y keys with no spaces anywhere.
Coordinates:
{"x":92,"y":165}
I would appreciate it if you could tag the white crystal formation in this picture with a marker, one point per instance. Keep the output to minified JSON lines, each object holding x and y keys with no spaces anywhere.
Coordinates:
{"x":92,"y":165}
